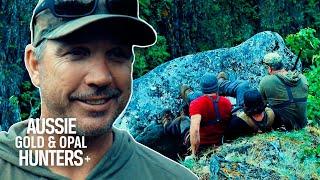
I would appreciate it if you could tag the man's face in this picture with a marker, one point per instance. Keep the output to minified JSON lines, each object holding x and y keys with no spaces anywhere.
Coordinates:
{"x":89,"y":80}
{"x":267,"y":68}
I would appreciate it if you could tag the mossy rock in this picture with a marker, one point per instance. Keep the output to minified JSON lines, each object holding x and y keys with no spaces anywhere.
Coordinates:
{"x":275,"y":155}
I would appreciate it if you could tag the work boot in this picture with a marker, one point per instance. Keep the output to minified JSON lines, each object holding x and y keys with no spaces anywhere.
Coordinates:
{"x":165,"y":121}
{"x":166,"y":117}
{"x":184,"y":91}
{"x":223,"y":76}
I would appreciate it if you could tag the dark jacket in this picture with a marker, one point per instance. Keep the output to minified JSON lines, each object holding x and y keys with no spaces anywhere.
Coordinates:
{"x":274,"y":90}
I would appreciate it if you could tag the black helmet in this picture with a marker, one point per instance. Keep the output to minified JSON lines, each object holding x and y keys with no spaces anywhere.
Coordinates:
{"x":253,"y":102}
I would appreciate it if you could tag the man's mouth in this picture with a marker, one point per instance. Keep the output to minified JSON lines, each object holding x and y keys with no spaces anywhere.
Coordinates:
{"x":100,"y":100}
{"x":95,"y":101}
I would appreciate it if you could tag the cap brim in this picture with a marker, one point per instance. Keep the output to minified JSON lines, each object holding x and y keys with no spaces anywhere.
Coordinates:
{"x":134,"y":30}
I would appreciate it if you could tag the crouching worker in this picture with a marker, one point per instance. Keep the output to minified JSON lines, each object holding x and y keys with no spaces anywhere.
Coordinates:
{"x":177,"y":128}
{"x":286,"y":92}
{"x":210,"y":114}
{"x":250,"y":114}
{"x":254,"y":117}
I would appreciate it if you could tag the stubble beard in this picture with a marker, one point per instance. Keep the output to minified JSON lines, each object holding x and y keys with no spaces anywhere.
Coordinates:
{"x":107,"y":128}
{"x":93,"y":132}
{"x":59,"y":111}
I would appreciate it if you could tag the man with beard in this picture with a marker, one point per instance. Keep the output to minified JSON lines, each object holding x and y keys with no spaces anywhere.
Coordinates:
{"x":80,"y":58}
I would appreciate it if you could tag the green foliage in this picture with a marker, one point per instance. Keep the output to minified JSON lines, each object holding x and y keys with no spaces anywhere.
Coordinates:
{"x":144,"y":6}
{"x":154,"y":10}
{"x":314,"y":94}
{"x":13,"y":100}
{"x":311,"y":151}
{"x":140,"y":66}
{"x":157,"y":54}
{"x":29,"y":101}
{"x":306,"y":40}
{"x":316,"y":59}
{"x":312,"y":11}
{"x":149,"y":58}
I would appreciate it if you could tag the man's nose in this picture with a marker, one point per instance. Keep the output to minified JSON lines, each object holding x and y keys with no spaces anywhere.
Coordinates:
{"x":99,"y":74}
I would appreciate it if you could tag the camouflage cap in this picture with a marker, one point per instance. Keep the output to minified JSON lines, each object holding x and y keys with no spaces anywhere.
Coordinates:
{"x":273,"y":59}
{"x":45,"y":25}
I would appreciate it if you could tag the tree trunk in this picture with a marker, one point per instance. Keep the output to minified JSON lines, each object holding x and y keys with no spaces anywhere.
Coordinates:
{"x":15,"y":35}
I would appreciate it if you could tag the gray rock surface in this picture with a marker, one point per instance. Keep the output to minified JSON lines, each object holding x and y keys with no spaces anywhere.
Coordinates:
{"x":159,"y":89}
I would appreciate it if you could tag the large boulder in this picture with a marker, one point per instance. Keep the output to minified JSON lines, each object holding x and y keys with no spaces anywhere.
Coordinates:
{"x":159,"y":89}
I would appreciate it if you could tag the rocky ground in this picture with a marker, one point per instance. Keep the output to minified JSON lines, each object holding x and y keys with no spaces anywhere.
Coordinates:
{"x":275,"y":155}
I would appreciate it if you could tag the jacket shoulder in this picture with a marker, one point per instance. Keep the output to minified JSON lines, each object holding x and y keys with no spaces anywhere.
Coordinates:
{"x":303,"y":79}
{"x":9,"y":171}
{"x":267,"y":82}
{"x":268,"y":79}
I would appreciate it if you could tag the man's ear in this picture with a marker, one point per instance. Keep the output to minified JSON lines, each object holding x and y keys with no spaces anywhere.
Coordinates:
{"x":32,"y":64}
{"x":270,"y":71}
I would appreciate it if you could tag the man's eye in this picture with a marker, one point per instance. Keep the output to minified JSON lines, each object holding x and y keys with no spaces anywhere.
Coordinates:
{"x":118,"y":54}
{"x":78,"y":53}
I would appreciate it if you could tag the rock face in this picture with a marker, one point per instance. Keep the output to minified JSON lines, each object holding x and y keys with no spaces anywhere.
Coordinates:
{"x":159,"y":89}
